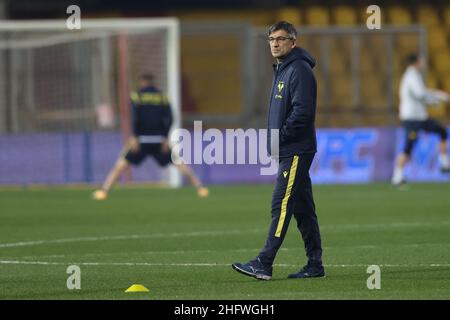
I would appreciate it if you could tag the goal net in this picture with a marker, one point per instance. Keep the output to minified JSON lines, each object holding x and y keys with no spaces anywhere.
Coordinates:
{"x":64,"y":96}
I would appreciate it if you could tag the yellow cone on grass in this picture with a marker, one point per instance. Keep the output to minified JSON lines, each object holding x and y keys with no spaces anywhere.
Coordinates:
{"x":137,"y":288}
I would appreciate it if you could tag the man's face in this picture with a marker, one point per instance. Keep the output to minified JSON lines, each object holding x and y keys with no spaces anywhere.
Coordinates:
{"x":280,"y":44}
{"x":143,"y":83}
{"x":421,"y":64}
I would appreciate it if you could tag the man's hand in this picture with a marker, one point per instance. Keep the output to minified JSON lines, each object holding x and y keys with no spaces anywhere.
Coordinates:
{"x":133,"y":143}
{"x":442,"y":95}
{"x":165,"y":148}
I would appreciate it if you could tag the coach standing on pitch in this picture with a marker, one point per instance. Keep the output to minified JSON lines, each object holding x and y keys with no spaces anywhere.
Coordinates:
{"x":292,"y":111}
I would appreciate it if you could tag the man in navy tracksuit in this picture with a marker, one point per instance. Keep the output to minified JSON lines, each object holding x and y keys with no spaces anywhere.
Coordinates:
{"x":292,"y":111}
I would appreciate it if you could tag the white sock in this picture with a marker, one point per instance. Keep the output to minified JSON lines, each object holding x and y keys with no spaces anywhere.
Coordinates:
{"x":443,"y":161}
{"x":397,"y":177}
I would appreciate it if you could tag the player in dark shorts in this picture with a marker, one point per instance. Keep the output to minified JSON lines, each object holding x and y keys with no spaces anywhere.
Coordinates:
{"x":152,"y":119}
{"x":412,"y":129}
{"x":415,"y":98}
{"x":148,"y":149}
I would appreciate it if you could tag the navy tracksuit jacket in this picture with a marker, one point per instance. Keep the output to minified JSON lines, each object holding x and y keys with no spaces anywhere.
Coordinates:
{"x":292,"y":111}
{"x":151,"y":113}
{"x":151,"y":122}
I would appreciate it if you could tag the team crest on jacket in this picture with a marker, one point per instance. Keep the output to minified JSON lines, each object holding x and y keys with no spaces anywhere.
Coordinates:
{"x":280,"y":86}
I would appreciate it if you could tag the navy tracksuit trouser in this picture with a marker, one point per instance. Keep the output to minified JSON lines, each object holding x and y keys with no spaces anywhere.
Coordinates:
{"x":293,"y":196}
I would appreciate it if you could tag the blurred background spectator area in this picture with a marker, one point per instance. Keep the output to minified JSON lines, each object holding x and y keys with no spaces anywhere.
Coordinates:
{"x":226,"y":64}
{"x":66,"y":91}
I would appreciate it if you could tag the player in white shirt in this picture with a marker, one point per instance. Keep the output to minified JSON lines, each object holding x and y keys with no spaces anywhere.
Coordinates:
{"x":414,"y":99}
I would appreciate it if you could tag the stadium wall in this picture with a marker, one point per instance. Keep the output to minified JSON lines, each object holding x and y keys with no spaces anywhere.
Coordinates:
{"x":357,"y":155}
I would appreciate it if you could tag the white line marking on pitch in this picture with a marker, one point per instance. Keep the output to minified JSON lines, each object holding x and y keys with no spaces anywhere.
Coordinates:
{"x":151,"y":264}
{"x":215,"y":233}
{"x":180,"y":252}
{"x":128,"y":237}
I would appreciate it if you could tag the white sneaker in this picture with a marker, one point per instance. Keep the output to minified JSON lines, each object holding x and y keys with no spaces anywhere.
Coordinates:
{"x":398,"y":182}
{"x":445,"y":163}
{"x":397,"y":177}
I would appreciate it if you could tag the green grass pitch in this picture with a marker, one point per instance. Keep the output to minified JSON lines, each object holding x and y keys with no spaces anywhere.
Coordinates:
{"x":181,"y":247}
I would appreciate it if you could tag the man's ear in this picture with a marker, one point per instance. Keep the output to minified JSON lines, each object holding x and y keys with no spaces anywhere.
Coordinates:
{"x":294,"y":43}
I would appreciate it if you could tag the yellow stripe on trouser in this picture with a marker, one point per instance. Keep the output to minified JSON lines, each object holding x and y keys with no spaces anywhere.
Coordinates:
{"x":287,"y":196}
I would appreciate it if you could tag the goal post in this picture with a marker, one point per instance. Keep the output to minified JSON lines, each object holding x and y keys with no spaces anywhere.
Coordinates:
{"x":54,"y":79}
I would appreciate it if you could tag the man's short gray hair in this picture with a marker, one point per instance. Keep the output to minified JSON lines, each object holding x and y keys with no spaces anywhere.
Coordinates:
{"x":286,"y":26}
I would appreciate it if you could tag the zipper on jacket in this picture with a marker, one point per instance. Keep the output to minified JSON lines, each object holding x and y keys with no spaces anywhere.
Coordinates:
{"x":275,"y":77}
